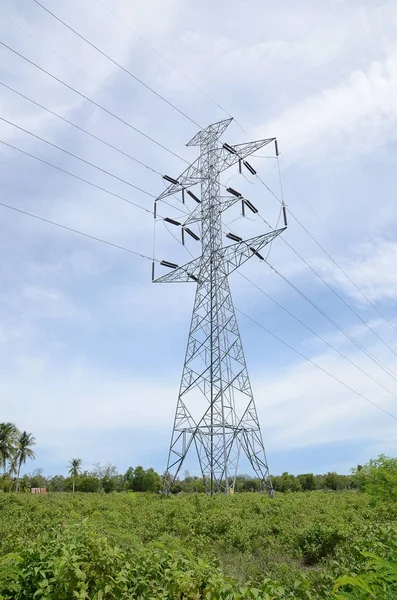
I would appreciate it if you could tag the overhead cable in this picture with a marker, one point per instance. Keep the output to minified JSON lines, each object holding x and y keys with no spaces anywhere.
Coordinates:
{"x":316,"y":334}
{"x":91,"y":183}
{"x":109,"y":112}
{"x":340,"y":298}
{"x":102,"y":84}
{"x":95,"y":137}
{"x":333,"y":261}
{"x":172,"y":65}
{"x":344,"y":273}
{"x":79,"y":178}
{"x":316,"y":365}
{"x":384,"y":367}
{"x":76,"y":156}
{"x":145,"y":85}
{"x":333,"y":322}
{"x":87,"y":235}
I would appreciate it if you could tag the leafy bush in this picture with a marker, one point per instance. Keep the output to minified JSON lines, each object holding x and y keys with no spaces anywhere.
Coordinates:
{"x":378,"y":579}
{"x":379,"y":478}
{"x":317,"y":542}
{"x":144,"y":546}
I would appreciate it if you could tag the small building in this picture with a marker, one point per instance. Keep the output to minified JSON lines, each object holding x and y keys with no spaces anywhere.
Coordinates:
{"x":38,"y":490}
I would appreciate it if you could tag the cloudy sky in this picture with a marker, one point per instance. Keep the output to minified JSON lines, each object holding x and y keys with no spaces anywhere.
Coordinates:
{"x":91,"y":351}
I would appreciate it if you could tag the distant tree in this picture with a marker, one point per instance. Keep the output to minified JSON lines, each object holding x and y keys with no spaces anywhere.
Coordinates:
{"x":379,"y":478}
{"x":107,"y":470}
{"x":24,"y":451}
{"x":320,"y":482}
{"x":246,"y":483}
{"x":84,"y":482}
{"x":334,"y":481}
{"x":75,"y":469}
{"x":307,"y":482}
{"x":56,"y":483}
{"x":13,"y":466}
{"x":87,"y":483}
{"x":35,"y":479}
{"x":151,"y":481}
{"x":8,"y":439}
{"x":108,"y":484}
{"x":286,"y":483}
{"x":108,"y":477}
{"x":128,"y":479}
{"x":139,"y":479}
{"x":193,"y":484}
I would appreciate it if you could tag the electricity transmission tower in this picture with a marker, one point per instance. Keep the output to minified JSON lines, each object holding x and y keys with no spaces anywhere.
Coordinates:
{"x":215,"y":413}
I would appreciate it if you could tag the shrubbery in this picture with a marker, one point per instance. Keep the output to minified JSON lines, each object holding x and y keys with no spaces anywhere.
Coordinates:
{"x":131,"y":545}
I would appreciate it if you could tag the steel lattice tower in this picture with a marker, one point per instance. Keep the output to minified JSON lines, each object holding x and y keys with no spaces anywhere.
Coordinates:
{"x":215,"y":412}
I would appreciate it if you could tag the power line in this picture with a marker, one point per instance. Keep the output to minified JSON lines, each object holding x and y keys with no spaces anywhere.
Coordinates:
{"x":316,"y":334}
{"x":109,"y":112}
{"x":87,"y":235}
{"x":322,"y":278}
{"x":79,"y":178}
{"x":344,"y":273}
{"x":104,"y":87}
{"x":333,"y":322}
{"x":316,"y":364}
{"x":95,"y":137}
{"x":117,"y":64}
{"x":99,"y":187}
{"x":149,"y":45}
{"x":386,"y":369}
{"x":341,"y":298}
{"x":83,"y":160}
{"x":335,"y":263}
{"x":76,"y":156}
{"x":86,"y":132}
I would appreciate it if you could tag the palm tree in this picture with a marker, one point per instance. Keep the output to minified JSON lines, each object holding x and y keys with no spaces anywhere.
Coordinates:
{"x":24,"y":451}
{"x":75,"y":469}
{"x":13,"y":470}
{"x":8,"y":440}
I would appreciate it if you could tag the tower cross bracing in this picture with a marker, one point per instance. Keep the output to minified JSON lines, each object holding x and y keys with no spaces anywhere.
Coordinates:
{"x":215,"y":415}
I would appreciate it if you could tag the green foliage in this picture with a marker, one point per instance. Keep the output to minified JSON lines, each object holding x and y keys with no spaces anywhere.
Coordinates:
{"x":379,"y":478}
{"x":318,"y":541}
{"x":8,"y":441}
{"x":378,"y":579}
{"x":333,"y":481}
{"x":307,"y":482}
{"x":15,"y":449}
{"x":136,"y":545}
{"x":139,"y":480}
{"x":286,"y":483}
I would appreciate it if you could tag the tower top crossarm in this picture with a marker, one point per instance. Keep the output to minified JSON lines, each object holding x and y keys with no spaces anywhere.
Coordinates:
{"x":223,"y":157}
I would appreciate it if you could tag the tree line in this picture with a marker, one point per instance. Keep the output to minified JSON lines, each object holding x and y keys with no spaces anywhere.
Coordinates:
{"x":102,"y":478}
{"x":16,"y":449}
{"x":106,"y":478}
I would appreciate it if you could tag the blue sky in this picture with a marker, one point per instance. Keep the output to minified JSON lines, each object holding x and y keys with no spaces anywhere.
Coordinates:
{"x":91,"y":351}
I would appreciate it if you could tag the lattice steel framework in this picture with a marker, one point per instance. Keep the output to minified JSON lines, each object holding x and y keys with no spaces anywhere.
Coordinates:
{"x":215,"y":411}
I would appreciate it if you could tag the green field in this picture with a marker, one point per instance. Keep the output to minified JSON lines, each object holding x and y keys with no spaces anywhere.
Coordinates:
{"x":131,"y":545}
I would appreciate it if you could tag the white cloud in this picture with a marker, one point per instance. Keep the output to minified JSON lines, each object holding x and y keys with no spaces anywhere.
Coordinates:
{"x":371,"y":267}
{"x":347,"y":119}
{"x":303,"y":407}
